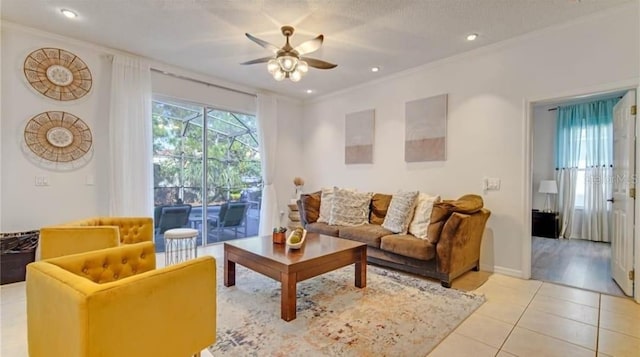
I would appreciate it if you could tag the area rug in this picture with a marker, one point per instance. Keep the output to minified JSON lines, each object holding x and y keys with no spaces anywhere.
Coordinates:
{"x":395,"y":315}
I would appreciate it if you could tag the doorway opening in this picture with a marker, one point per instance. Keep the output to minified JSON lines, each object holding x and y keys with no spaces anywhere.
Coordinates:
{"x":579,"y":166}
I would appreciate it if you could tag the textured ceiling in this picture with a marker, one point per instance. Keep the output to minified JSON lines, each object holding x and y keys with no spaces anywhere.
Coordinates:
{"x":208,"y":36}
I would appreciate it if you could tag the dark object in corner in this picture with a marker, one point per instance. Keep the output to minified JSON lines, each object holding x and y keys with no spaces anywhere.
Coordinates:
{"x":17,"y":249}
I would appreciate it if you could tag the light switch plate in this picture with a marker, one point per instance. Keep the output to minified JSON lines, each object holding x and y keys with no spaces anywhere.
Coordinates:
{"x":493,"y":184}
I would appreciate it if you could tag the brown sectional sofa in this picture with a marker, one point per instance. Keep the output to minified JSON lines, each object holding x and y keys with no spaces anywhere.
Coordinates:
{"x":452,"y":247}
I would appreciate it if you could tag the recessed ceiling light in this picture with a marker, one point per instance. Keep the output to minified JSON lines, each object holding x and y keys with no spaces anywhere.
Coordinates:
{"x":375,"y":69}
{"x":472,"y":36}
{"x":68,"y":13}
{"x":309,"y":91}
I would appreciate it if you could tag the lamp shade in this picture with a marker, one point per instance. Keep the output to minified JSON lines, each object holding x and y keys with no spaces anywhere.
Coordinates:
{"x":548,"y":186}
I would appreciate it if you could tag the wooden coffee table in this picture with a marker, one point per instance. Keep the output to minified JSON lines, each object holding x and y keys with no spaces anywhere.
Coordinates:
{"x":319,"y":254}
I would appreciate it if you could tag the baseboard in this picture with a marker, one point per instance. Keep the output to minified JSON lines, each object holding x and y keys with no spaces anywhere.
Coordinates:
{"x":501,"y":270}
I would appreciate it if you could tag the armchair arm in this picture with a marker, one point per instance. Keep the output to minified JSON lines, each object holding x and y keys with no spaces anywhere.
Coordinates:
{"x":459,"y":247}
{"x":176,"y":304}
{"x":65,"y":240}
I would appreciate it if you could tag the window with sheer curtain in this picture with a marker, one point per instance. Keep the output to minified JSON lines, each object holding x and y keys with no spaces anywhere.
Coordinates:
{"x":584,"y":162}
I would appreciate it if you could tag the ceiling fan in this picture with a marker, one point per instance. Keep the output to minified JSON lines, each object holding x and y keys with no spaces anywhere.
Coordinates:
{"x":288,"y":62}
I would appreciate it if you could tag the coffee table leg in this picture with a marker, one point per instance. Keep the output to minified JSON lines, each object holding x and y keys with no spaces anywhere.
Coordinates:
{"x":229,"y":271}
{"x":361,"y":269}
{"x":288,"y":298}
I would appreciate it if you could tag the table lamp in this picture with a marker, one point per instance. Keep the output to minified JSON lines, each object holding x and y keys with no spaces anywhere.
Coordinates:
{"x":549,"y":187}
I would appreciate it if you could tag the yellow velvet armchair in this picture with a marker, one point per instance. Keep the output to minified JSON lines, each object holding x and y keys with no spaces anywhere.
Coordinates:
{"x":114,"y":303}
{"x":92,"y":234}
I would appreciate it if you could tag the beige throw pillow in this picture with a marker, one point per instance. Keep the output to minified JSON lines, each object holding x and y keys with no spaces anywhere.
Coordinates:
{"x":326,"y":202}
{"x":349,"y":208}
{"x":400,"y":212}
{"x":422,"y":215}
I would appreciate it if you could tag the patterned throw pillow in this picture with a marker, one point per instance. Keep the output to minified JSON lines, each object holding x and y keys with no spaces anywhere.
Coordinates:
{"x":422,"y":215}
{"x":326,"y":202}
{"x":400,"y":212}
{"x":350,"y":208}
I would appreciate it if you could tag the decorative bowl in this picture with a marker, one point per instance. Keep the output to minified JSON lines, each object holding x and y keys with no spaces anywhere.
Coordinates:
{"x":299,"y":244}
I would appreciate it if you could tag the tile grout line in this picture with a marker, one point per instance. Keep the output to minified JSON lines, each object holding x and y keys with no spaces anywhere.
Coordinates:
{"x":598,"y":327}
{"x":519,"y":318}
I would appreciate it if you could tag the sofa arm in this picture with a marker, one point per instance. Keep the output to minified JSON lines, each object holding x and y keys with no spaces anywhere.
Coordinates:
{"x":459,"y":247}
{"x":165,"y":312}
{"x":65,"y":240}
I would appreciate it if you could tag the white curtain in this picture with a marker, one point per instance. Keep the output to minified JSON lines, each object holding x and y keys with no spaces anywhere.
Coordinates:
{"x":596,"y":214}
{"x":268,"y":130}
{"x":566,"y":179}
{"x":130,"y":138}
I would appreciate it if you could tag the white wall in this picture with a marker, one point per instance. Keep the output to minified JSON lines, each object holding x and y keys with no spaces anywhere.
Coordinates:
{"x":25,"y":206}
{"x":487,"y":89}
{"x":543,"y":155}
{"x":289,"y":159}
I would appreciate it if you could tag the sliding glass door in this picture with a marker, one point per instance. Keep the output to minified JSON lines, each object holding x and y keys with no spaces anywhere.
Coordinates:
{"x":212,"y":175}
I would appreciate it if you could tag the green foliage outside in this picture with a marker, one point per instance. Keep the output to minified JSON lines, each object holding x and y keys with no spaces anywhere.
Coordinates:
{"x":233,"y":157}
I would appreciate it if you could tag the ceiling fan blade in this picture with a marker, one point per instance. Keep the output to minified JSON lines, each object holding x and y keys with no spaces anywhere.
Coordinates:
{"x":263,"y":43}
{"x":310,"y":46}
{"x":258,"y":60}
{"x":316,"y":63}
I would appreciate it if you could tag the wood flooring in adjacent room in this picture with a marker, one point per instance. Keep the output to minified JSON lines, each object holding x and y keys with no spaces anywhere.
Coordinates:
{"x":574,"y":262}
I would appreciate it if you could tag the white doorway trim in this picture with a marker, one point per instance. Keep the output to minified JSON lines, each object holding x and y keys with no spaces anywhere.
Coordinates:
{"x":527,"y":149}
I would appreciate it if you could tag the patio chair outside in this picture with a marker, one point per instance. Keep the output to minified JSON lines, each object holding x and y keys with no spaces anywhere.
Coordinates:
{"x":168,"y":217}
{"x":232,"y":215}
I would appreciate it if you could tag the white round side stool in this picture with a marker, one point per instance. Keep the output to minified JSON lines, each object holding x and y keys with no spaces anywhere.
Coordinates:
{"x":179,"y":245}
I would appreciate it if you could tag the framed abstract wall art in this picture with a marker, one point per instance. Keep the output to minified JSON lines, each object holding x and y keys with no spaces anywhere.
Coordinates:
{"x":359,"y":131}
{"x":426,"y":129}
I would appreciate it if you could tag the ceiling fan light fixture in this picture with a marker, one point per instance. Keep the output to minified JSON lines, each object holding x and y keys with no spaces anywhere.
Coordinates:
{"x":279,"y":75}
{"x":303,"y":66}
{"x":295,"y":76}
{"x":288,"y":63}
{"x":69,"y":13}
{"x":472,"y":36}
{"x":272,"y":66}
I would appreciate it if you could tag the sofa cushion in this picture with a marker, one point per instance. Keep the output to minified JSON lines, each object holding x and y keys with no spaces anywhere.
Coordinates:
{"x":310,"y":207}
{"x":400,"y":211}
{"x":466,"y":204}
{"x":379,"y":206}
{"x":422,"y":215}
{"x":408,"y":246}
{"x":349,"y":208}
{"x":323,"y":228}
{"x":368,"y":233}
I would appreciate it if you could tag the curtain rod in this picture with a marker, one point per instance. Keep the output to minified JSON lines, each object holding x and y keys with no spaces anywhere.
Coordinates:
{"x":203,"y":82}
{"x":556,"y":108}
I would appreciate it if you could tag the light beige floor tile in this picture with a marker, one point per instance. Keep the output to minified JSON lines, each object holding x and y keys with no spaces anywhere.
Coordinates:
{"x":564,"y":308}
{"x":485,"y":329}
{"x":627,"y":324}
{"x":10,"y":293}
{"x":523,"y":342}
{"x":620,"y":305}
{"x":503,"y":353}
{"x":570,"y":294}
{"x":560,"y":328}
{"x":516,"y":283}
{"x":456,"y":345}
{"x":616,"y":344}
{"x":499,"y":293}
{"x":504,"y":312}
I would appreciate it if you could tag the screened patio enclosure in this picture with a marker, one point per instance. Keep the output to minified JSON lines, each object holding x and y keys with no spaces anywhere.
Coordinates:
{"x":213,"y":175}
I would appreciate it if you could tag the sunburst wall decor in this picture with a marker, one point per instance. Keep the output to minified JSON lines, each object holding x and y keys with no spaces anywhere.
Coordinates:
{"x":58,"y":140}
{"x":57,"y":74}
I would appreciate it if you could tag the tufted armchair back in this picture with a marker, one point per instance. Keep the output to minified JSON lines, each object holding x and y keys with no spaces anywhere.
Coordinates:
{"x":104,"y":267}
{"x":93,"y":233}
